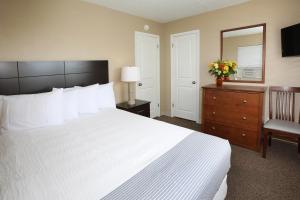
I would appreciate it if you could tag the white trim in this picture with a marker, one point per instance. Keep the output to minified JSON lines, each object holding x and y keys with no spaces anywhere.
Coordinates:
{"x":136,"y":33}
{"x":146,"y":34}
{"x":197,"y":32}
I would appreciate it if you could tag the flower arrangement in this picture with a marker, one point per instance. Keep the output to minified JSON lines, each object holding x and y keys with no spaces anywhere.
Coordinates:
{"x":221,"y":69}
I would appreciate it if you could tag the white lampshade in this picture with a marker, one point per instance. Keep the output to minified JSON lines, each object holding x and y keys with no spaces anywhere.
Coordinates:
{"x":130,"y":74}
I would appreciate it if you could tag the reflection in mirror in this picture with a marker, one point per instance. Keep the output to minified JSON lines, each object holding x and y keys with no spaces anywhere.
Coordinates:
{"x":245,"y":46}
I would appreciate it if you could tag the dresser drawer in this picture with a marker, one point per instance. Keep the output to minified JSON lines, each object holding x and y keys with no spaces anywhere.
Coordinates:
{"x":244,"y":138}
{"x":241,"y":137}
{"x":211,"y":97}
{"x":216,"y":129}
{"x":240,"y":99}
{"x":251,"y":100}
{"x":245,"y":118}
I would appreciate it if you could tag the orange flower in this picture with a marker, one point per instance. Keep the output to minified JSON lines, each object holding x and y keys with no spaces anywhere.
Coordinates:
{"x":222,"y":66}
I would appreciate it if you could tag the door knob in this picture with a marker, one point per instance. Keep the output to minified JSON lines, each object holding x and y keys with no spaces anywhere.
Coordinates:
{"x":194,"y":82}
{"x":140,"y":84}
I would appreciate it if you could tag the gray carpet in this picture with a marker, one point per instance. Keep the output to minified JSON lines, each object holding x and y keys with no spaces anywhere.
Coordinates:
{"x":252,"y":177}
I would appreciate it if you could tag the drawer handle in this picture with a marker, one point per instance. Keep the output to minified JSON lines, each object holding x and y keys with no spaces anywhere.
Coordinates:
{"x":214,"y":98}
{"x":213,"y":128}
{"x":214,"y":113}
{"x":245,"y":101}
{"x":243,"y":134}
{"x":140,"y":111}
{"x":244,"y":118}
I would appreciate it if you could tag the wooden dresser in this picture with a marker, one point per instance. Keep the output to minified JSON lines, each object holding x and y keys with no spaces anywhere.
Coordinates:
{"x":234,"y":113}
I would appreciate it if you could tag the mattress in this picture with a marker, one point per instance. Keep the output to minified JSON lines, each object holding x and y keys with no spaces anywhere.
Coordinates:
{"x":90,"y":157}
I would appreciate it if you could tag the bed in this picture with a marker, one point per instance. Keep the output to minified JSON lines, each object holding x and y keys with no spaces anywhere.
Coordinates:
{"x":112,"y":154}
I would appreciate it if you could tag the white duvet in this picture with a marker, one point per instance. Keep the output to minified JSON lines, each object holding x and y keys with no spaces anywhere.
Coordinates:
{"x":84,"y":159}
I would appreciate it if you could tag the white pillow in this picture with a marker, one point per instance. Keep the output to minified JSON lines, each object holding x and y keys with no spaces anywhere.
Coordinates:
{"x":106,"y":96}
{"x":87,"y":99}
{"x":70,"y":103}
{"x":32,"y":111}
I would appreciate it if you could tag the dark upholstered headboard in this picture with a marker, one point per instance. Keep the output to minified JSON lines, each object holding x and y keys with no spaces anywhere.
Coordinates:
{"x":42,"y":76}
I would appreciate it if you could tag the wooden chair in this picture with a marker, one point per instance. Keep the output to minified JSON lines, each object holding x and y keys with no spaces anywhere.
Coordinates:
{"x":282,"y":122}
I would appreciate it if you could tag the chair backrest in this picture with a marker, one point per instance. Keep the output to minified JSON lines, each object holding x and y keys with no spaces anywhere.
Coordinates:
{"x":284,"y":103}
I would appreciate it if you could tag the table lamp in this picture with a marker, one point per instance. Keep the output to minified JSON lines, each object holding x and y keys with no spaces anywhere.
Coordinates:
{"x":130,"y":75}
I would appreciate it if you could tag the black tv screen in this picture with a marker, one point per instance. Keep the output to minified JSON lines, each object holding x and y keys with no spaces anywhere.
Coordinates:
{"x":290,"y":41}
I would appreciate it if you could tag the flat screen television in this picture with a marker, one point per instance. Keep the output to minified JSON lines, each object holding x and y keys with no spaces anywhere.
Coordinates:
{"x":290,"y":40}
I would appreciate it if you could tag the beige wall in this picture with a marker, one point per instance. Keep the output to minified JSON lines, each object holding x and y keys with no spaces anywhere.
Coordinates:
{"x":69,"y":30}
{"x":231,"y":44}
{"x":275,"y":13}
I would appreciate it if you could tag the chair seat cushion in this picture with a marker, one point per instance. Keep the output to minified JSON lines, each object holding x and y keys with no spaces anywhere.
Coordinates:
{"x":281,"y":125}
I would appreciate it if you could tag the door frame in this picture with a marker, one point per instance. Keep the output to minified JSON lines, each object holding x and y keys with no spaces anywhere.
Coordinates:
{"x":136,"y":53}
{"x":197,"y":32}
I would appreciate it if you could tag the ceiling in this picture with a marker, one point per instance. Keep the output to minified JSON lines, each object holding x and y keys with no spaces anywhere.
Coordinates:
{"x":165,"y":10}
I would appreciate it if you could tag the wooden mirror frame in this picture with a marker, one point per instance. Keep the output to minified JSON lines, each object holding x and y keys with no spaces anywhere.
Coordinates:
{"x":263,"y":51}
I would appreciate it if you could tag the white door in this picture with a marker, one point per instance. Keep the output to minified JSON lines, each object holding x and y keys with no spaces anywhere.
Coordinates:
{"x":185,"y":75}
{"x":147,"y":58}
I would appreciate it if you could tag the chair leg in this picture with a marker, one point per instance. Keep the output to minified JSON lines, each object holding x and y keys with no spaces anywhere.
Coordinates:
{"x":265,"y":144}
{"x":270,"y":140}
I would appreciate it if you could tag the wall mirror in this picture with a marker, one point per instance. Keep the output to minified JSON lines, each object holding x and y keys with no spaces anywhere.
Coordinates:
{"x":247,"y":47}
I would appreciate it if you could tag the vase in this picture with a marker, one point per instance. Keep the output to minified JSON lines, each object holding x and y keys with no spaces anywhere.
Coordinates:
{"x":219,"y":82}
{"x":226,"y":78}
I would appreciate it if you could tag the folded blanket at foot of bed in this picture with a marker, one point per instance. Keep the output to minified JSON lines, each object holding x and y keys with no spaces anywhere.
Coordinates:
{"x":193,"y":169}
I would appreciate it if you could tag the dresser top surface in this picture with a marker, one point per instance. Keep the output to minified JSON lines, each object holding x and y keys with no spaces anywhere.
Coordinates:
{"x":261,"y":89}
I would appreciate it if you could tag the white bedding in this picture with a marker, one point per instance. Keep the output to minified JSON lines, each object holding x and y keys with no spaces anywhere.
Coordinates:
{"x":83,"y":159}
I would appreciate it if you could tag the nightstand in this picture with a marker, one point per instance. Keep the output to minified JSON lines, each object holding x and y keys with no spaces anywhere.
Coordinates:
{"x":140,"y":107}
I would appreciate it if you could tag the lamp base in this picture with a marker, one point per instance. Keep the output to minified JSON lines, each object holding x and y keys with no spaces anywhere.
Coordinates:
{"x":131,"y":102}
{"x":131,"y":95}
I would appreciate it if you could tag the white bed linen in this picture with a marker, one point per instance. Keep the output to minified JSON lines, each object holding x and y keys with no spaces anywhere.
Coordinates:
{"x":83,"y":159}
{"x":28,"y":111}
{"x":222,"y":192}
